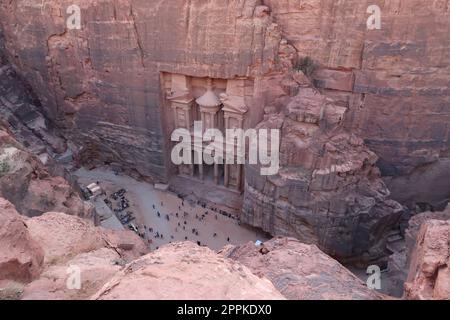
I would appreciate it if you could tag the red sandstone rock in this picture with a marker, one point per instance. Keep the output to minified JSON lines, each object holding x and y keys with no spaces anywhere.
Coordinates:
{"x":96,"y":268}
{"x":415,"y":224}
{"x":21,"y":257}
{"x":396,"y":102}
{"x":70,"y":241}
{"x":328,"y":191}
{"x":63,"y":237}
{"x":401,"y":82}
{"x":31,"y":188}
{"x":186,"y":271}
{"x":389,"y":87}
{"x":300,"y":271}
{"x":429,"y":273}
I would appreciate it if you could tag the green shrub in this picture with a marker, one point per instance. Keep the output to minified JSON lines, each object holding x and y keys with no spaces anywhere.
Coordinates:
{"x":307,"y":66}
{"x":4,"y":168}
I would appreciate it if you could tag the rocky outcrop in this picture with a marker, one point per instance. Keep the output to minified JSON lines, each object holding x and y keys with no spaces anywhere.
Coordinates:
{"x":400,"y":261}
{"x":74,"y":245}
{"x":28,"y":184}
{"x":186,"y":271}
{"x":328,"y":191}
{"x":30,"y":149}
{"x":38,"y":255}
{"x":63,"y":237}
{"x":21,"y":257}
{"x":21,"y":111}
{"x":394,"y":82}
{"x":429,"y":273}
{"x":415,"y":224}
{"x":95,"y":268}
{"x":300,"y":271}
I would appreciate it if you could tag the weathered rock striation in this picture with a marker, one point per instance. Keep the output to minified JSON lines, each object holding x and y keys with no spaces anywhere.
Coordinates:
{"x":186,"y":271}
{"x":21,"y":257}
{"x":429,"y":273}
{"x":300,"y":271}
{"x":41,"y":253}
{"x":29,"y":185}
{"x":105,"y":86}
{"x":328,"y":191}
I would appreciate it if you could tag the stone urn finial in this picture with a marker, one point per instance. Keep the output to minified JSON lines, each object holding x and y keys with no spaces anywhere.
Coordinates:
{"x":209,"y":98}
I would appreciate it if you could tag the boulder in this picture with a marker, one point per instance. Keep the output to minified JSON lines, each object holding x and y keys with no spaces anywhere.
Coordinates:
{"x":301,"y":271}
{"x":186,"y":271}
{"x":30,"y":186}
{"x":429,"y":272}
{"x":74,"y":246}
{"x":21,"y":256}
{"x":95,"y":269}
{"x":64,"y":236}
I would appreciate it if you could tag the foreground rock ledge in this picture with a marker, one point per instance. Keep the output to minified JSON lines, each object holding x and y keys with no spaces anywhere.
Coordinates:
{"x":300,"y":271}
{"x":21,"y":257}
{"x":429,"y":273}
{"x":186,"y":271}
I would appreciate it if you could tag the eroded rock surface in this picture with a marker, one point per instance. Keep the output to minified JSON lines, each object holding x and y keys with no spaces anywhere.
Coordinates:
{"x":28,"y":184}
{"x":415,"y":224}
{"x":72,"y":246}
{"x":95,"y":269}
{"x":63,"y":237}
{"x":394,"y":82}
{"x":21,"y":256}
{"x":328,"y":191}
{"x":429,"y":273}
{"x":187,"y":271}
{"x":300,"y":271}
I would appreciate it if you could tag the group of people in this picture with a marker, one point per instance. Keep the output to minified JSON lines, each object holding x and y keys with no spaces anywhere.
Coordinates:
{"x":181,"y":226}
{"x":150,"y":234}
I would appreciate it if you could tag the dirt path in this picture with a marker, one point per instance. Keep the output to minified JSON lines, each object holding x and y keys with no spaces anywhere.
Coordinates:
{"x":177,"y":218}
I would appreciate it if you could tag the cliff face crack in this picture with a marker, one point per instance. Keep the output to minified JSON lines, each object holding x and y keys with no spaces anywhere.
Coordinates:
{"x":52,"y":70}
{"x":138,"y":39}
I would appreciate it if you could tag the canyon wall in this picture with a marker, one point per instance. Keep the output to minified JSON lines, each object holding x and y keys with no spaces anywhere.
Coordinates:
{"x":103,"y":86}
{"x":328,"y":190}
{"x":102,"y":83}
{"x":394,"y":82}
{"x":429,"y":273}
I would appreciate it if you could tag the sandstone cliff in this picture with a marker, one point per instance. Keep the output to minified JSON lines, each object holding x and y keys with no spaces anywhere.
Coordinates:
{"x":300,"y":271}
{"x":328,"y":191}
{"x":21,"y":257}
{"x":37,"y":254}
{"x":429,"y":273}
{"x":394,"y":82}
{"x":28,"y":184}
{"x":104,"y":86}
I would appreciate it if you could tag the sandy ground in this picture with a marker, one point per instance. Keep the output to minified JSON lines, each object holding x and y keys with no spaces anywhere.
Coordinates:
{"x":177,"y":218}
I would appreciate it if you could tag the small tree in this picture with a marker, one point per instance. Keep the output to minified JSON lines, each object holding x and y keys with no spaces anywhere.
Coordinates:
{"x":307,"y":66}
{"x":4,"y":168}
